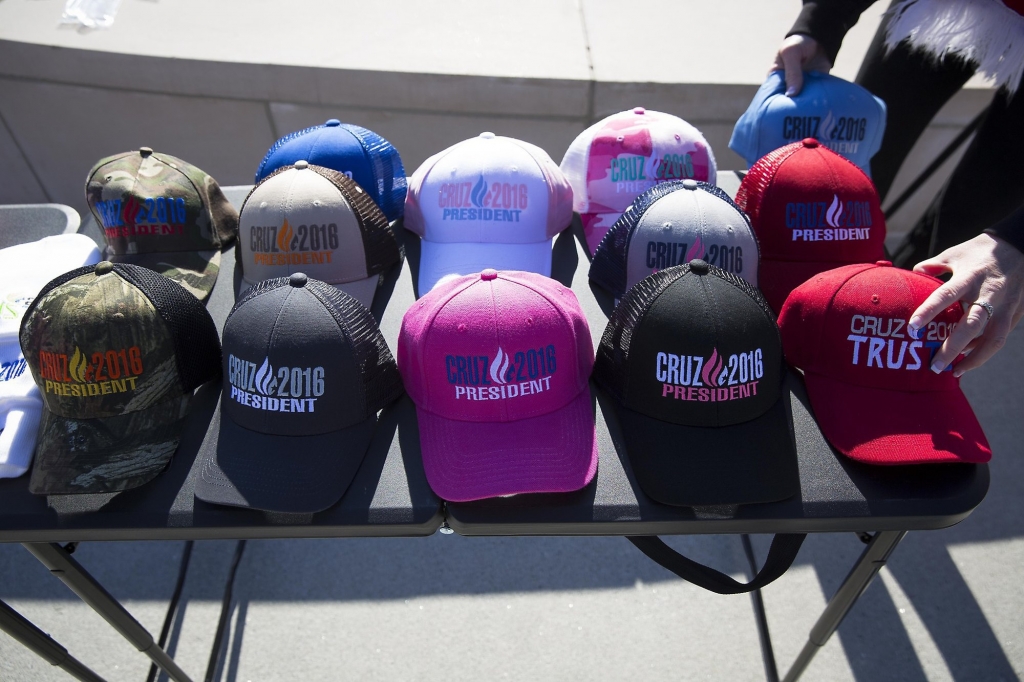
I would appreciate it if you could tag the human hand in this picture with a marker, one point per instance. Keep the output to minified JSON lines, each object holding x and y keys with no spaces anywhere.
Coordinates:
{"x":797,"y":54}
{"x":985,"y":269}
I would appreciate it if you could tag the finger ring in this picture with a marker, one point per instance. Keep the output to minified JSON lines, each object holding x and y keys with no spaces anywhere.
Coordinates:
{"x":987,"y":306}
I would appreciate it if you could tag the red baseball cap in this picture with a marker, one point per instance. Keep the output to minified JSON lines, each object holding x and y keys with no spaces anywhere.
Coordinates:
{"x":869,"y":377}
{"x":812,"y":210}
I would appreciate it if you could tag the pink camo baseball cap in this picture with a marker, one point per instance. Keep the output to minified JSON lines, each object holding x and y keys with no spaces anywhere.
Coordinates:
{"x":617,"y":159}
{"x":498,"y":365}
{"x":487,"y":202}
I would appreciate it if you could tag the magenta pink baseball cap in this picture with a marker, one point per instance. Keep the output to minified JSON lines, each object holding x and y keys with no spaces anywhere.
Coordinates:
{"x":498,"y":365}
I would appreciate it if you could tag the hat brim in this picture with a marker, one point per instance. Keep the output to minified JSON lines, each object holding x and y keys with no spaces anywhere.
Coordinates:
{"x":897,"y":427}
{"x":776,"y":278}
{"x":746,"y":463}
{"x":292,"y":474}
{"x":439,"y":259}
{"x":552,"y":453}
{"x":196,"y":271}
{"x":106,"y":454}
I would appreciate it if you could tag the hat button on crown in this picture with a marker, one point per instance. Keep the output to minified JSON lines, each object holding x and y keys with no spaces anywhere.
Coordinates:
{"x":883,"y":263}
{"x":298,"y":279}
{"x":145,"y":151}
{"x":810,"y":142}
{"x":332,"y":122}
{"x":639,"y":111}
{"x":301,"y":165}
{"x":487,"y":136}
{"x":488,"y":274}
{"x":104,"y":267}
{"x":699,"y":267}
{"x":690,"y":184}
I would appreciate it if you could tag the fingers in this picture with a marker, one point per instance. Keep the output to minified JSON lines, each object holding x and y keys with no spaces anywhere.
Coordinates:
{"x":791,"y":62}
{"x":956,"y":289}
{"x":933,"y":266}
{"x":992,"y":341}
{"x":971,"y":326}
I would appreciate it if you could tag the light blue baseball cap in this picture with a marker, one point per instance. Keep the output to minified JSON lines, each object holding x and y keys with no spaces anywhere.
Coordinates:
{"x":842,"y":115}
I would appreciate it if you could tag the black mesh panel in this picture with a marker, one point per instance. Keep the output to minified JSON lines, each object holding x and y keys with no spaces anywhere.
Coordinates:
{"x":379,"y":242}
{"x":382,"y":383}
{"x":610,"y":367}
{"x":193,"y":333}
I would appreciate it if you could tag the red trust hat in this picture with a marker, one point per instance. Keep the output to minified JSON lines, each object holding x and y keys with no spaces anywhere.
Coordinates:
{"x":869,"y":377}
{"x":812,"y":210}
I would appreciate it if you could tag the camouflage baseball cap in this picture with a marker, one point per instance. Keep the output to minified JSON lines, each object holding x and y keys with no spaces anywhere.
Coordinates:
{"x":164,"y":214}
{"x":116,"y":350}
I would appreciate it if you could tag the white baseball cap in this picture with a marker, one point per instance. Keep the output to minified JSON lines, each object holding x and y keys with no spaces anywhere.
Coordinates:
{"x":487,"y":202}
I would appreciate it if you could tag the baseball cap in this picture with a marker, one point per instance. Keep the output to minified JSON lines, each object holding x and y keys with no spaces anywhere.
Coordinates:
{"x":842,"y":115}
{"x":620,"y":157}
{"x":497,"y":364}
{"x":693,"y":359}
{"x":868,"y":376}
{"x":812,"y":210}
{"x":361,"y":154}
{"x":315,"y":219}
{"x":162,"y":213}
{"x":487,"y":202}
{"x":672,"y":224}
{"x":116,"y":351}
{"x":305,"y":372}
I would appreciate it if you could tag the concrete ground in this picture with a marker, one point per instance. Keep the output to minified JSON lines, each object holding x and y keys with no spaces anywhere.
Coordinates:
{"x":947,"y":606}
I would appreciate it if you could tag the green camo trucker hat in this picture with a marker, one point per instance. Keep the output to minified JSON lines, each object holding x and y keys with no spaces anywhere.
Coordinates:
{"x":164,"y":214}
{"x":116,"y":350}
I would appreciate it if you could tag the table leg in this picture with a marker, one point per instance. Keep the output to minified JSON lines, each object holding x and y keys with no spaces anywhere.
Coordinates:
{"x":22,"y":629}
{"x":71,"y":573}
{"x":871,"y":561}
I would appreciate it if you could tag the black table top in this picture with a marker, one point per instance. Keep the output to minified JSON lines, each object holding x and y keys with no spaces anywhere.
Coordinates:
{"x":390,"y":495}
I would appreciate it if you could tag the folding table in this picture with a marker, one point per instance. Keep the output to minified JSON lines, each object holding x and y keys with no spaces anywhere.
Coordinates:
{"x":390,"y":495}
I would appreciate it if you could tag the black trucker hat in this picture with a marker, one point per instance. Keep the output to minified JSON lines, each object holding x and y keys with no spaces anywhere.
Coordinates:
{"x":116,"y":351}
{"x":305,"y":372}
{"x":692,"y":356}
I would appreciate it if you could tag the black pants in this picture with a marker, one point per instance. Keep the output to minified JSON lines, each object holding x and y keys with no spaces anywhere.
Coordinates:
{"x":988,"y":183}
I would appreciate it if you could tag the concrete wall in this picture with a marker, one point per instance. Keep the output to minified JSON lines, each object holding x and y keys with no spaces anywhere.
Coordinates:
{"x":217,"y":83}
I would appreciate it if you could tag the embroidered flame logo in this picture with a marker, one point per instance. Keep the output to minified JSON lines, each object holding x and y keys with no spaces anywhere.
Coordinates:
{"x":695,"y":251}
{"x":835,"y":210}
{"x":77,"y":365}
{"x":284,"y":237}
{"x":499,"y":366}
{"x":827,"y":127}
{"x":479,"y":191}
{"x":264,"y":377}
{"x":130,"y":210}
{"x":712,"y":371}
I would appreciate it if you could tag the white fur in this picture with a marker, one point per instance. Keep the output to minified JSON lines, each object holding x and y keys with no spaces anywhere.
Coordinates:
{"x":985,"y":32}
